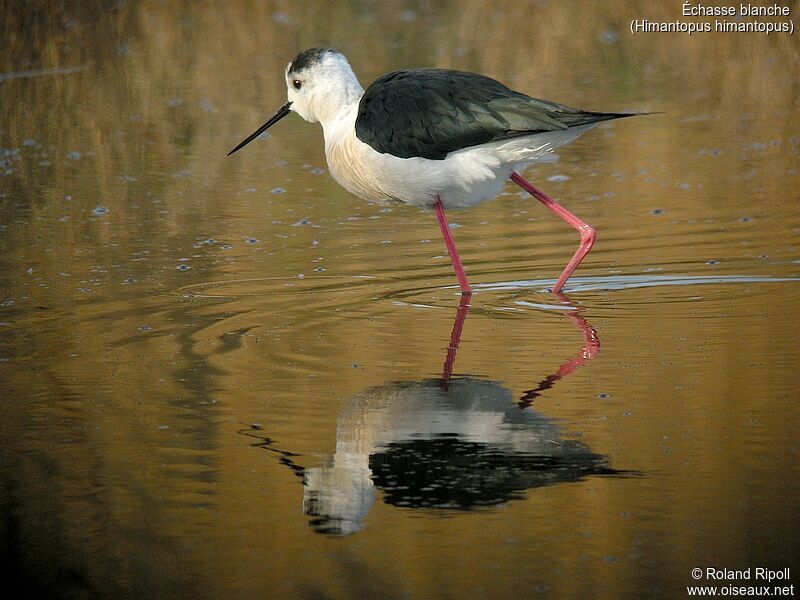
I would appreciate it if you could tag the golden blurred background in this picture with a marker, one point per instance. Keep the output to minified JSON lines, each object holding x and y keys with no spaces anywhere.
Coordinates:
{"x":159,"y":297}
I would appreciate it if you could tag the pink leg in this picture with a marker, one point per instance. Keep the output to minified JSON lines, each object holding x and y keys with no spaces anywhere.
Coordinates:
{"x":455,"y":338}
{"x":591,"y":346}
{"x":588,"y":234}
{"x":451,"y":247}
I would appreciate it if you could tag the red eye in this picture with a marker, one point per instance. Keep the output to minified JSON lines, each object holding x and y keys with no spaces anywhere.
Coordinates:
{"x":297,"y":84}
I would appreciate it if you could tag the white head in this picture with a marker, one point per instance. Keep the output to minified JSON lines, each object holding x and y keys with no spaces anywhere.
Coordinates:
{"x":320,"y":84}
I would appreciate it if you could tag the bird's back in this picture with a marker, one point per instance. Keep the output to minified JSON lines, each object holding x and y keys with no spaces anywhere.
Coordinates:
{"x":429,"y":113}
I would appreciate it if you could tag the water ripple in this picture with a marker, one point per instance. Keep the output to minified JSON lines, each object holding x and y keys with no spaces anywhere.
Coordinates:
{"x":626,"y":282}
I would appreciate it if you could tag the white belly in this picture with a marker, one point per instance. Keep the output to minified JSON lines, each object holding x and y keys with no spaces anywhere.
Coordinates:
{"x":465,"y":178}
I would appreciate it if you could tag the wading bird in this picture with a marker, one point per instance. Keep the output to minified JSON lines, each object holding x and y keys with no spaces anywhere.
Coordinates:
{"x":433,"y":138}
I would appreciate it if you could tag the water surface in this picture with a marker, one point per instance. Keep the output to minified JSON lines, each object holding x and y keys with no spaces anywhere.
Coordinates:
{"x":228,"y":378}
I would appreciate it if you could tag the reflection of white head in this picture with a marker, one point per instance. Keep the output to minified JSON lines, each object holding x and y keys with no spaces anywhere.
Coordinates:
{"x":340,"y":496}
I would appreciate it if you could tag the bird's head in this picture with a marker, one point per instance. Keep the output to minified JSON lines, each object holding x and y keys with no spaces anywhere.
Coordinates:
{"x":319,"y":83}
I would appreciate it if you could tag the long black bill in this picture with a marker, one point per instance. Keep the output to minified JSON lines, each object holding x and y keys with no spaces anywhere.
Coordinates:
{"x":282,"y":112}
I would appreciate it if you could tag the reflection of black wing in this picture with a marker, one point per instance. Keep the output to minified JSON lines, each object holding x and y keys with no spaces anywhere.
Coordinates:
{"x":448,"y":472}
{"x":429,"y":113}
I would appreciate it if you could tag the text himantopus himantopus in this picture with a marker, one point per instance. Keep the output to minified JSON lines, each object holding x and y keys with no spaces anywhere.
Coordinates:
{"x":434,"y":138}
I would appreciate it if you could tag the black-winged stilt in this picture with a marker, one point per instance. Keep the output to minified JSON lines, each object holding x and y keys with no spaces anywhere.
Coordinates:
{"x":434,"y":138}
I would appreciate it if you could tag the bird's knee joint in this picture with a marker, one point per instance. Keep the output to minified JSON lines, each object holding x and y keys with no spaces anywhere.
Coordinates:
{"x":588,"y":234}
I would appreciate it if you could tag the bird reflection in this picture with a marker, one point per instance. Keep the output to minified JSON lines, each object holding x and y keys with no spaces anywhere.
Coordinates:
{"x":450,"y":443}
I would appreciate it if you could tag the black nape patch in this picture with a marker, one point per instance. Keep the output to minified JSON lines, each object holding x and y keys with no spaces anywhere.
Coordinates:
{"x":306,"y":58}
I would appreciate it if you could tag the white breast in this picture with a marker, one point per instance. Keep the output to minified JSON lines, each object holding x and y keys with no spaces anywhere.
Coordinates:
{"x":465,"y":178}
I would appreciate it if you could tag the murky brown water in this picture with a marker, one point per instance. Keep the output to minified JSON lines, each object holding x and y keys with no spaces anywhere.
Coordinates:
{"x":214,"y":368}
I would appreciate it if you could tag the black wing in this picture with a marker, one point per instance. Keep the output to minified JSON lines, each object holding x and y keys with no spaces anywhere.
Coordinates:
{"x":429,"y":113}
